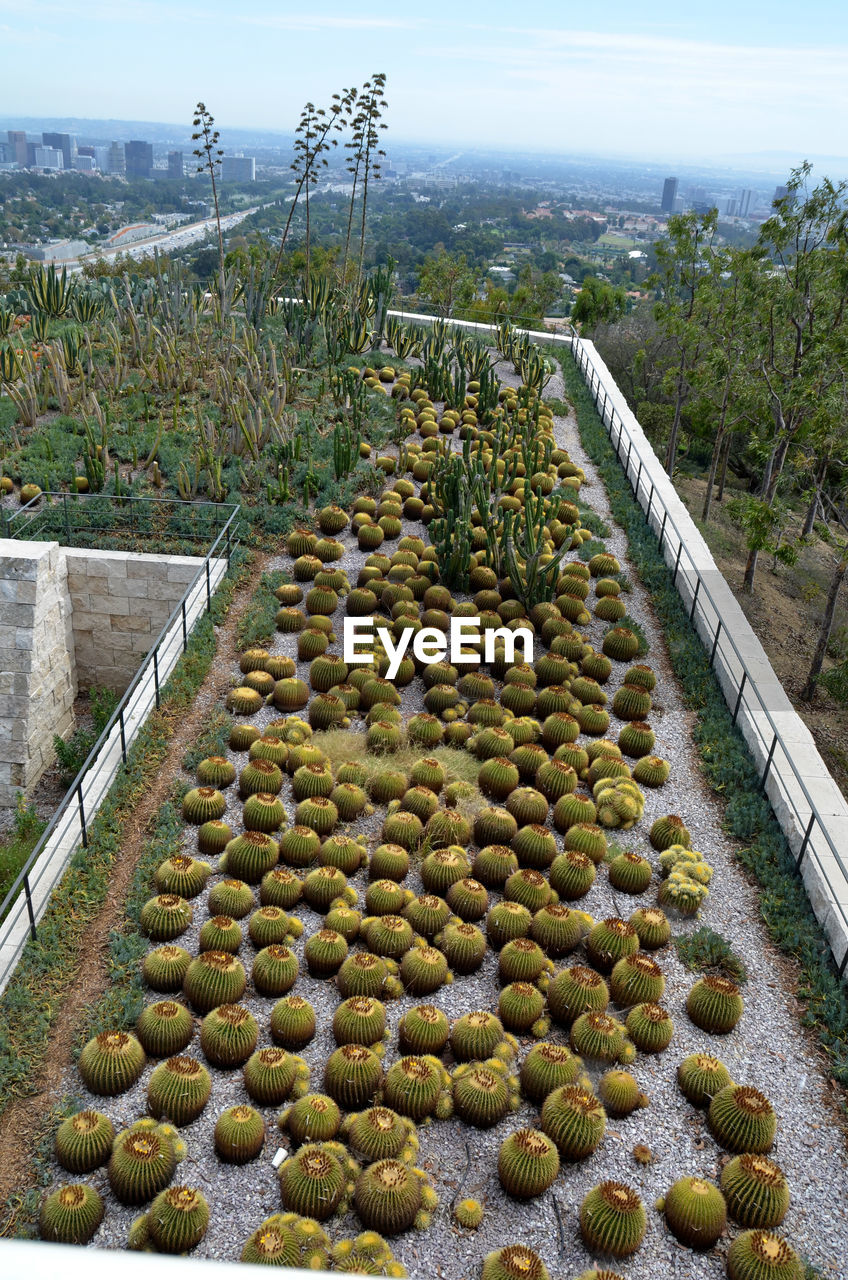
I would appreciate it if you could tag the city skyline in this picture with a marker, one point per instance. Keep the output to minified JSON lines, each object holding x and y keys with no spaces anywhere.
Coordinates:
{"x":658,"y":83}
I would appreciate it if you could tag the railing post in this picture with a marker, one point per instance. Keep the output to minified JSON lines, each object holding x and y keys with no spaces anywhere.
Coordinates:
{"x":123,"y":736}
{"x":67,"y":518}
{"x":662,"y":529}
{"x":156,"y":676}
{"x":695,"y":598}
{"x":627,"y":460}
{"x":677,"y":561}
{"x":715,"y":643}
{"x":638,"y":480}
{"x":30,"y":912}
{"x":185,"y":631}
{"x":739,"y":696}
{"x":82,"y":815}
{"x":650,"y":504}
{"x":208,"y":588}
{"x":769,"y":759}
{"x":806,"y":839}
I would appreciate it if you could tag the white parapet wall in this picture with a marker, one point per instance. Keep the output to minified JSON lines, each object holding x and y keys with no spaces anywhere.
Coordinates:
{"x":806,"y":800}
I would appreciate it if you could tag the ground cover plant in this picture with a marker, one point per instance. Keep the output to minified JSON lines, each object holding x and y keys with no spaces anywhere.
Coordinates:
{"x":384,"y":922}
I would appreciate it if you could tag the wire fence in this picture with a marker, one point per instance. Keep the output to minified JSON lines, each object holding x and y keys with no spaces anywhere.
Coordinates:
{"x":69,"y":827}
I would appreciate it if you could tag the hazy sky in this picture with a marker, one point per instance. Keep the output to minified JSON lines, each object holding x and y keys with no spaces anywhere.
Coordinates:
{"x":653,"y":80}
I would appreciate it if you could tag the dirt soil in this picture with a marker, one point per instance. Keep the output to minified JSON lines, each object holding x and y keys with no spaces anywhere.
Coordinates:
{"x":22,"y":1120}
{"x":785,"y":611}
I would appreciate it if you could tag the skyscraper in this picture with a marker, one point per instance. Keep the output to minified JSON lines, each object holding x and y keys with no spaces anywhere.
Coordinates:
{"x":780,"y":193}
{"x":669,"y":195}
{"x":139,"y":158}
{"x":18,"y":141}
{"x":117,"y":163}
{"x":238,"y":169}
{"x":746,"y":202}
{"x":175,"y":164}
{"x":63,"y":142}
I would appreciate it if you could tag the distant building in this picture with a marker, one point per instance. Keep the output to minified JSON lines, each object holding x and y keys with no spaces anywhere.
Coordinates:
{"x":84,"y":164}
{"x":18,"y":143}
{"x":669,"y":194}
{"x":175,"y":165}
{"x":49,"y":158}
{"x":86,"y":151}
{"x":64,"y":142}
{"x":746,"y":202}
{"x":56,"y":251}
{"x":780,"y":193}
{"x":139,"y":159}
{"x":116,"y":162}
{"x":238,"y":169}
{"x":101,"y":158}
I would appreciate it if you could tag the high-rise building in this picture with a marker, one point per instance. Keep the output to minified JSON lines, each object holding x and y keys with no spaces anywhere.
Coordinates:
{"x":746,"y":202}
{"x":18,"y":141}
{"x":86,"y":151}
{"x":780,"y":193}
{"x":116,"y":163}
{"x":139,"y":159}
{"x":101,"y":157}
{"x":175,"y":165}
{"x":64,"y":142}
{"x":49,"y":158}
{"x":238,"y":169}
{"x":84,"y":164}
{"x":669,"y":195}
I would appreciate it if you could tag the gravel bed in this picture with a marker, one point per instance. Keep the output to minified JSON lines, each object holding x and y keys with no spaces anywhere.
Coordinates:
{"x":768,"y":1049}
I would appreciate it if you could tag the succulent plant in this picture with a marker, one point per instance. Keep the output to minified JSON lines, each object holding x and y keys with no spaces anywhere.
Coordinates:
{"x":181,"y":875}
{"x":574,"y":1119}
{"x":572,"y":874}
{"x":695,"y":1212}
{"x":221,"y":933}
{"x":528,"y":887}
{"x":263,"y":812}
{"x":468,"y":899}
{"x":514,"y":1262}
{"x":213,"y":836}
{"x":279,"y":888}
{"x":413,"y":1085}
{"x":359,"y":1020}
{"x":508,"y":921}
{"x":521,"y":960}
{"x":520,"y":1007}
{"x":388,"y":935}
{"x":142,"y":1163}
{"x":761,"y":1255}
{"x":476,"y":1036}
{"x":597,"y":1036}
{"x":164,"y":1028}
{"x":270,"y":1075}
{"x":714,"y":1004}
{"x":652,"y":926}
{"x":575,"y":991}
{"x":250,"y":856}
{"x":468,"y":1214}
{"x":650,"y":1027}
{"x":610,"y":941}
{"x":423,"y":1029}
{"x":242,"y":736}
{"x":322,"y":886}
{"x":312,"y":1182}
{"x":493,"y":827}
{"x":352,"y":1075}
{"x":756,"y":1191}
{"x":548,"y":1067}
{"x":244,"y":701}
{"x":362,"y":974}
{"x":165,"y":917}
{"x":84,"y":1141}
{"x":573,"y":808}
{"x":71,"y":1214}
{"x":651,"y":771}
{"x":536,"y":846}
{"x":300,"y":846}
{"x":629,"y":873}
{"x":423,"y":970}
{"x":272,"y":1244}
{"x":742,"y":1119}
{"x":212,"y":979}
{"x":636,"y":979}
{"x":481,"y":1093}
{"x":389,"y":1196}
{"x":178,"y":1219}
{"x":165,"y":968}
{"x":528,"y":1163}
{"x":701,"y":1077}
{"x":313,"y":1118}
{"x":613,"y":1220}
{"x":668,"y":831}
{"x":111,"y":1063}
{"x":344,"y":920}
{"x":389,"y":862}
{"x":620,"y":1093}
{"x":463,"y":945}
{"x":557,"y":929}
{"x":324,"y":952}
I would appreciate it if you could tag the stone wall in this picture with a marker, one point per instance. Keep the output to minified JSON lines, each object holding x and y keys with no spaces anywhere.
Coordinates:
{"x":121,"y":602}
{"x":70,"y":618}
{"x":38,"y":680}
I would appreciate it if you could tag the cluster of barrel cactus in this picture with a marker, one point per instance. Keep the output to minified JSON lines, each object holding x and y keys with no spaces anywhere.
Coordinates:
{"x":275,"y":836}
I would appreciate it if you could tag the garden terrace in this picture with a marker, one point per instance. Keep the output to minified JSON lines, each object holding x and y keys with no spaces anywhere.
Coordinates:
{"x":575,"y":701}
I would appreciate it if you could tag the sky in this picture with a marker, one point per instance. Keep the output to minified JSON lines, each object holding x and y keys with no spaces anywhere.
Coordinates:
{"x":656,"y":80}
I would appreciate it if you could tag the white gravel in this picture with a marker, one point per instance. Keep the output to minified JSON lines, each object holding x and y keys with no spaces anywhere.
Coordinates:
{"x":768,"y":1049}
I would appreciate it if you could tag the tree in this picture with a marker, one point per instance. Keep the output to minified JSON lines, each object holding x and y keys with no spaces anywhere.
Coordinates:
{"x":446,"y":282}
{"x":208,"y":161}
{"x":798,"y":343}
{"x":839,"y":572}
{"x":364,"y":162}
{"x":598,"y":303}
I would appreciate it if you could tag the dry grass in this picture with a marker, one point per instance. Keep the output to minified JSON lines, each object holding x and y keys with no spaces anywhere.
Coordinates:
{"x":341,"y":746}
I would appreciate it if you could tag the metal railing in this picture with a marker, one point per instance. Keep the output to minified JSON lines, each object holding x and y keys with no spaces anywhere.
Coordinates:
{"x":70,"y":824}
{"x":742,"y":692}
{"x":72,"y":518}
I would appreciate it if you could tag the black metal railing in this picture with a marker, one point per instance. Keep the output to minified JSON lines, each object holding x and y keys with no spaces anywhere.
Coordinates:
{"x":72,"y":820}
{"x":124,"y":521}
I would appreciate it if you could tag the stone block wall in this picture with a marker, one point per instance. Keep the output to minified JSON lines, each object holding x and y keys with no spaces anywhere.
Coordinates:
{"x":121,"y":602}
{"x":70,"y":618}
{"x":38,"y":680}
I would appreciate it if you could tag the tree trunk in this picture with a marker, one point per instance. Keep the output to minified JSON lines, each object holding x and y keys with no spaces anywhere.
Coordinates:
{"x":815,"y":502}
{"x":750,"y":571}
{"x":717,"y":447}
{"x":809,"y":689}
{"x":671,"y":451}
{"x":725,"y":458}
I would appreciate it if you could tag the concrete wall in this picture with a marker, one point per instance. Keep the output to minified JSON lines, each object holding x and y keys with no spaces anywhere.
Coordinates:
{"x":38,"y":681}
{"x":72,"y":618}
{"x":121,"y":602}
